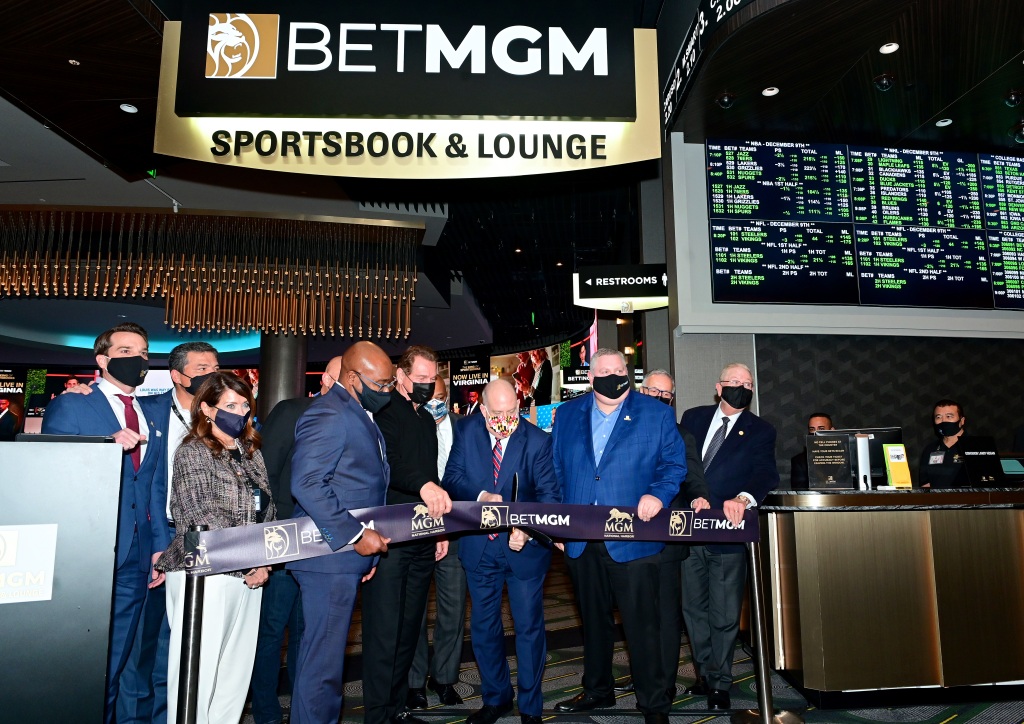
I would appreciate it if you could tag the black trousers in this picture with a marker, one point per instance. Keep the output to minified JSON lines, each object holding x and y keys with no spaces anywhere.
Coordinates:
{"x":713,"y":589}
{"x":670,"y":610}
{"x":393,"y":602}
{"x":600,"y":584}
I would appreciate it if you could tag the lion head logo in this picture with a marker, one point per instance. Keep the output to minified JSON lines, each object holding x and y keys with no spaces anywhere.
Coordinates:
{"x":242,"y":46}
{"x":491,"y":516}
{"x":420,"y":511}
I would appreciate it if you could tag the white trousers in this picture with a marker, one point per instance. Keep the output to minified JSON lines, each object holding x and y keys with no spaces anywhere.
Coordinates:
{"x":231,"y":622}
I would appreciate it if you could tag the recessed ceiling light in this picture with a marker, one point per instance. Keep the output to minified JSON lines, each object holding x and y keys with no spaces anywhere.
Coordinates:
{"x":943,"y":122}
{"x":72,"y":61}
{"x":518,"y":251}
{"x":558,"y":264}
{"x":770,"y":91}
{"x":129,"y":108}
{"x":889,"y":48}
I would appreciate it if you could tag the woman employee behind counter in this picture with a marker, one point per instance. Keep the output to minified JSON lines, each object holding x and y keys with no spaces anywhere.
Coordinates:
{"x":942,"y":464}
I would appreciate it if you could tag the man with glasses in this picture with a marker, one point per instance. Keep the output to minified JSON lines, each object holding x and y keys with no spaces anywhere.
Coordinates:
{"x":659,"y":385}
{"x":738,"y":457}
{"x":338,"y":465}
{"x":394,"y":601}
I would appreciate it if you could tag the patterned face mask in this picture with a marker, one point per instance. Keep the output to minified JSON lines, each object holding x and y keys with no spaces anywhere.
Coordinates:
{"x":503,"y":425}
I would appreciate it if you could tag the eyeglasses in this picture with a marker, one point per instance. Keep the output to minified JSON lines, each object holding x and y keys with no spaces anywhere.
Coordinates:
{"x":379,"y":386}
{"x":655,"y":392}
{"x":737,"y":383}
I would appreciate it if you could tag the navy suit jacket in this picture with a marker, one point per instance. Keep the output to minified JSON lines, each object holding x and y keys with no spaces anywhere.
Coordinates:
{"x":470,"y":472}
{"x":161,"y":485}
{"x":645,"y":455}
{"x":339,"y":464}
{"x":745,"y":462}
{"x":91,"y":414}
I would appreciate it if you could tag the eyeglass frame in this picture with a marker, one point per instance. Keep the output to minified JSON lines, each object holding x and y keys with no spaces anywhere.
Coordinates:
{"x":381,"y":387}
{"x":736,"y":383}
{"x":663,"y":394}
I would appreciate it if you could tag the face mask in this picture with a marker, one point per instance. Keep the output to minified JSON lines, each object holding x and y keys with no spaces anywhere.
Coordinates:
{"x":611,"y":386}
{"x":947,"y":429}
{"x":129,"y":371}
{"x":229,"y":423}
{"x":421,"y":392}
{"x":373,"y":401}
{"x":737,"y":397}
{"x":437,"y":409}
{"x":503,"y":425}
{"x":665,"y":400}
{"x":197,"y":382}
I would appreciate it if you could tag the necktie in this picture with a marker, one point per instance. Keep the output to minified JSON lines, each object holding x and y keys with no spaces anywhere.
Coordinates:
{"x":496,"y":464}
{"x":131,"y":420}
{"x":716,"y":442}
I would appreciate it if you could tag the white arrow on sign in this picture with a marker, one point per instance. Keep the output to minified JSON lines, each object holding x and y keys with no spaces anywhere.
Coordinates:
{"x":588,"y":282}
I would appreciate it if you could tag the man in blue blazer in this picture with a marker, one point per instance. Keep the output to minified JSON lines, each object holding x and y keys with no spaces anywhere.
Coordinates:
{"x":738,"y":454}
{"x":122,"y":353}
{"x":489,"y":451}
{"x":616,"y":447}
{"x":339,"y":464}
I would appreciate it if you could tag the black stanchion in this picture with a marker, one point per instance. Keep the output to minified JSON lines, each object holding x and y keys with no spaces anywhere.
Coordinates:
{"x":191,"y":636}
{"x":765,"y":713}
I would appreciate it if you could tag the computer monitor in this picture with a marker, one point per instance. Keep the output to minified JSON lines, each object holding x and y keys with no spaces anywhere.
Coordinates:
{"x":877,"y":437}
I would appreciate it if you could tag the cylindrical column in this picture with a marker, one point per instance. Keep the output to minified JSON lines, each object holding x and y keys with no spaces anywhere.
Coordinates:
{"x":191,"y":636}
{"x":282,"y":369}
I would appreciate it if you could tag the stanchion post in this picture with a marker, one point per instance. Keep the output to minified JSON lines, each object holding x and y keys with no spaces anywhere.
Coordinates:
{"x":191,"y":636}
{"x":765,"y":713}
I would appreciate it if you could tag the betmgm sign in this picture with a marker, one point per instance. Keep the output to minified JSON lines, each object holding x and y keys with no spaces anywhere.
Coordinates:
{"x":409,"y":90}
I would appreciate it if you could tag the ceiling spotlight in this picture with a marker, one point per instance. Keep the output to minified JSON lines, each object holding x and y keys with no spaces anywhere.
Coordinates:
{"x":129,"y":108}
{"x":943,"y":122}
{"x":770,"y":91}
{"x":725,"y":100}
{"x":558,"y":264}
{"x":72,"y":61}
{"x":889,"y":48}
{"x":1017,"y":133}
{"x":518,"y":250}
{"x":884,"y":82}
{"x":1013,"y":98}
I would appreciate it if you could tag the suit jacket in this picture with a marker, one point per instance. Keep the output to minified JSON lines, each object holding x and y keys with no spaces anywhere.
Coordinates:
{"x":692,"y":488}
{"x":542,"y":384}
{"x":92,"y":415}
{"x":8,"y":426}
{"x":745,"y":462}
{"x":161,"y":485}
{"x":469,"y":472}
{"x":472,"y":409}
{"x":645,"y":455}
{"x":278,"y":446}
{"x":339,"y":464}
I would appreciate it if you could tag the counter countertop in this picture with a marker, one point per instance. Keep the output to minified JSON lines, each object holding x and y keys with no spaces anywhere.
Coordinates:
{"x":904,"y":499}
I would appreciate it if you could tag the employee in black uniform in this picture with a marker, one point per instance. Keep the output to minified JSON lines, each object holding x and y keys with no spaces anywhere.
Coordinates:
{"x":942,"y":464}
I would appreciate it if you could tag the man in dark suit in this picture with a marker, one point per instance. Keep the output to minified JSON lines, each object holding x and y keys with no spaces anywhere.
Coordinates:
{"x":492,"y":448}
{"x":738,"y":455}
{"x":472,"y":403}
{"x":122,"y":353}
{"x":8,"y":421}
{"x":282,"y":607}
{"x":614,"y":447}
{"x":798,"y":477}
{"x":339,"y":464}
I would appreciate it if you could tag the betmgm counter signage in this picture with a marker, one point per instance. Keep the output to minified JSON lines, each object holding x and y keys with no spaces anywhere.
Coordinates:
{"x":408,"y":89}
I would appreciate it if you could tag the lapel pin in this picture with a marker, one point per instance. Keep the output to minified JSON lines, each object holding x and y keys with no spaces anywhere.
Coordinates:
{"x":159,"y":434}
{"x":627,"y":418}
{"x":741,"y":432}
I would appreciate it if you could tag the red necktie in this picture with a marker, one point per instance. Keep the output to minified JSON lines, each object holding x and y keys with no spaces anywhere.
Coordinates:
{"x":496,"y":464}
{"x":131,"y":420}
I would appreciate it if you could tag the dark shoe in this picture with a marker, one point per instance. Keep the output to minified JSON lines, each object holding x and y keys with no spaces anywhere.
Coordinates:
{"x":626,"y":687}
{"x":445,"y":692}
{"x":698,"y":688}
{"x":416,"y":699}
{"x":718,"y":700}
{"x":584,"y":702}
{"x":406,"y":717}
{"x":655,"y":718}
{"x":530,"y":719}
{"x":488,"y":713}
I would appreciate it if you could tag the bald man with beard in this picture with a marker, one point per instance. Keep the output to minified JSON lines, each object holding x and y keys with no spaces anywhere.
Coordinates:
{"x":282,"y":608}
{"x":339,"y":464}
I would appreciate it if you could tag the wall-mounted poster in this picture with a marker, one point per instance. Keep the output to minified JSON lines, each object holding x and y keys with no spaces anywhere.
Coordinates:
{"x":12,"y":403}
{"x":576,"y":355}
{"x":468,"y":377}
{"x":535,"y":373}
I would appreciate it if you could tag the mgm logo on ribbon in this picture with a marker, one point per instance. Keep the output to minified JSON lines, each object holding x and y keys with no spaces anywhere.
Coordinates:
{"x":197,"y":560}
{"x":680,"y":523}
{"x":619,"y":524}
{"x":493,"y":516}
{"x":281,"y":541}
{"x":423,"y":524}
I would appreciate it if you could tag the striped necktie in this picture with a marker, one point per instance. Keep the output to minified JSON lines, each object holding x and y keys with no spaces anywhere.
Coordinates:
{"x":496,"y":464}
{"x":716,"y":442}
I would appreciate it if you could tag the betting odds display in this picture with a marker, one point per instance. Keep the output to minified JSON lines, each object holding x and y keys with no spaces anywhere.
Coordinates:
{"x":800,"y":223}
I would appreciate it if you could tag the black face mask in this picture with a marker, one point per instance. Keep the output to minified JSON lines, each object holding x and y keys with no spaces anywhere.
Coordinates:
{"x":947,"y":429}
{"x":129,"y":371}
{"x":421,"y":392}
{"x":611,"y":386}
{"x":197,"y":382}
{"x":373,"y":401}
{"x":665,"y":400}
{"x":229,"y":423}
{"x":737,"y":397}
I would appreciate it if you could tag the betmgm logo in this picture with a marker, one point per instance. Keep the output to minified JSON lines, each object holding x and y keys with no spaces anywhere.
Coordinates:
{"x":423,"y":524}
{"x":493,"y":516}
{"x":281,"y":541}
{"x":619,"y":524}
{"x":680,"y":523}
{"x":242,"y":46}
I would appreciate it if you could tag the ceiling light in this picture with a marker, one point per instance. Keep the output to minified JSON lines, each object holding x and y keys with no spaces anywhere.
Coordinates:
{"x":770,"y":91}
{"x":558,"y":264}
{"x":943,"y":122}
{"x":1017,"y":133}
{"x":1013,"y":98}
{"x":889,"y":48}
{"x":518,"y":250}
{"x":725,"y":100}
{"x":884,"y":82}
{"x":72,"y":61}
{"x":129,"y":108}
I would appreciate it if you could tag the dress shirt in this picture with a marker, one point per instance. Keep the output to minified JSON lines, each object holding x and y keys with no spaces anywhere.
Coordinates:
{"x":176,"y":432}
{"x":445,"y":438}
{"x":601,"y":426}
{"x":110,"y":391}
{"x":716,"y":422}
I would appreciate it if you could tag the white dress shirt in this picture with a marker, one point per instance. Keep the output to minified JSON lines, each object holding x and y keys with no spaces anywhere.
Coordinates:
{"x":445,"y":439}
{"x":110,"y":391}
